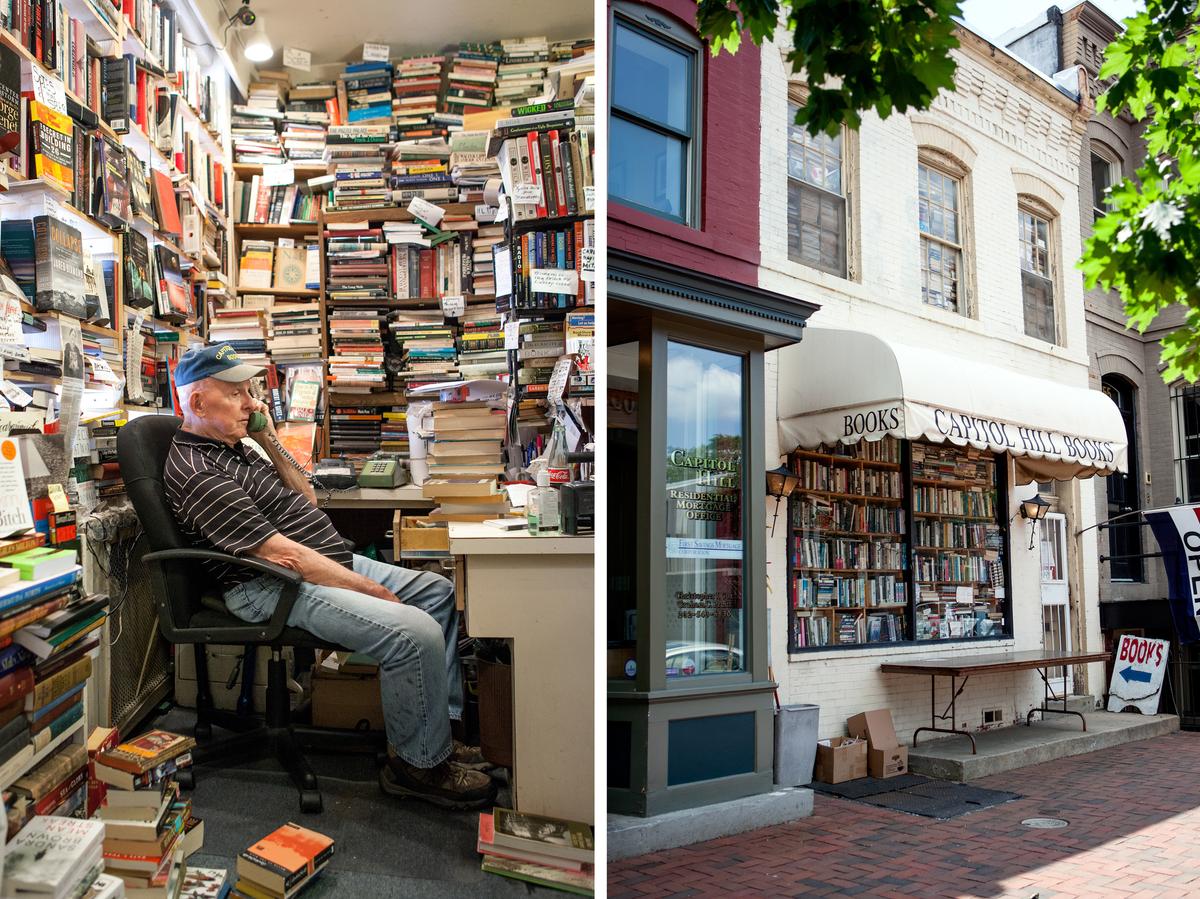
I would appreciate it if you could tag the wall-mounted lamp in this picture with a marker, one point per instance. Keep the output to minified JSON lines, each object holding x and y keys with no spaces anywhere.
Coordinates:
{"x":256,"y":44}
{"x":780,"y":484}
{"x":1034,"y":510}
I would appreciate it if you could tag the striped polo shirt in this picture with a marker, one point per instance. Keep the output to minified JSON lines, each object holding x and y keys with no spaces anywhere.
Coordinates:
{"x":231,"y":499}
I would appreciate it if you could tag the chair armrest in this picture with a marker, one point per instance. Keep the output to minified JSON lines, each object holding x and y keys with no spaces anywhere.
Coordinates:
{"x":259,"y":632}
{"x":258,"y":565}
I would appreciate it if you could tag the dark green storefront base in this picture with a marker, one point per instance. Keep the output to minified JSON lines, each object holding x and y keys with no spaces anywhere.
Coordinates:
{"x":681,"y":748}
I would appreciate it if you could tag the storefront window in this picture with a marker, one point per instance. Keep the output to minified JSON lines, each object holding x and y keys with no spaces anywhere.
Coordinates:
{"x":893,"y":542}
{"x":705,"y":557}
{"x":623,"y":531}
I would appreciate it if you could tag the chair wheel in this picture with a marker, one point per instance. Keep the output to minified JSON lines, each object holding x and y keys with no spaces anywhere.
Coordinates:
{"x":310,"y":801}
{"x":186,"y":779}
{"x":203,"y":732}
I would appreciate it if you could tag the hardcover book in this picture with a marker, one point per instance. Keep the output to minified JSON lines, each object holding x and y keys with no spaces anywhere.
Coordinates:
{"x":10,"y":99}
{"x":139,"y":290}
{"x":53,"y":151}
{"x":51,"y":854}
{"x":165,"y":207}
{"x":139,"y":187}
{"x":174,"y":305}
{"x":151,"y":749}
{"x":58,"y":259}
{"x":113,"y":206}
{"x":550,"y":836}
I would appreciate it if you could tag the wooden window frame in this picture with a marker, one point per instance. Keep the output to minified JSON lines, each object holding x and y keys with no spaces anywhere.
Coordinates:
{"x":936,"y":162}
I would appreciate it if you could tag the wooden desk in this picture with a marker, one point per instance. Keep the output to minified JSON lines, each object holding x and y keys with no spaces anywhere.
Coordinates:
{"x":537,"y":592}
{"x":955,"y":667}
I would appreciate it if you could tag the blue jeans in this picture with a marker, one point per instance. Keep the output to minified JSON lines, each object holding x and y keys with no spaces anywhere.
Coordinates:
{"x":415,"y":642}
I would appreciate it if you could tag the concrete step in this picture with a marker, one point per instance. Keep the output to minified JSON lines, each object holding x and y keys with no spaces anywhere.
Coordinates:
{"x":1080,"y":703}
{"x":1018,"y":746}
{"x":629,"y":836}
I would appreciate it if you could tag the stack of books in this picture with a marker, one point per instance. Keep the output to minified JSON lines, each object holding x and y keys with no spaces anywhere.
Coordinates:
{"x":416,"y":93}
{"x":481,"y":352}
{"x":355,"y":431}
{"x":253,"y":127}
{"x":294,"y":333}
{"x":467,"y":437}
{"x":54,"y":856}
{"x":55,"y":786}
{"x":483,"y":276}
{"x":471,"y":80}
{"x":521,"y":73}
{"x":356,"y":359}
{"x":149,"y":829}
{"x":243,"y":329}
{"x":204,"y":883}
{"x":545,"y":851}
{"x":426,"y":345}
{"x":367,"y":90}
{"x":542,"y":343}
{"x":256,"y":264}
{"x":282,"y":863}
{"x":356,"y":267}
{"x":305,"y":121}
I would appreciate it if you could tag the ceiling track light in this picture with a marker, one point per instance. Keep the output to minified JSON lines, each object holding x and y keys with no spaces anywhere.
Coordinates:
{"x":255,"y":42}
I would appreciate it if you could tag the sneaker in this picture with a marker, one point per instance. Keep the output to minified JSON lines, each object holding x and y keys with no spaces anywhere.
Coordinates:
{"x":470,"y":757}
{"x":446,"y":784}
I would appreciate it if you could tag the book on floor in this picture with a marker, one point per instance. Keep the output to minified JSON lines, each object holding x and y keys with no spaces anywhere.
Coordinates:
{"x":205,"y":883}
{"x":486,"y":845}
{"x":52,"y":855}
{"x":581,"y":883}
{"x":538,"y":833}
{"x":284,"y":859}
{"x":146,"y":752}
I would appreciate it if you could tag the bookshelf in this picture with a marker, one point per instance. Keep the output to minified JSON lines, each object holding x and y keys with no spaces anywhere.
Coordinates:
{"x":896,"y":541}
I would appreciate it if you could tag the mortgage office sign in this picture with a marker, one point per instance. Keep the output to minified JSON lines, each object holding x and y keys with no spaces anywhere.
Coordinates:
{"x":1177,"y":530}
{"x":1138,"y":674}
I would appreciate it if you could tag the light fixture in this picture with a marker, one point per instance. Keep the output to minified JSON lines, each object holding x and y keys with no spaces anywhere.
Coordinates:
{"x":1034,"y":510}
{"x":257,"y":44}
{"x":780,"y":484}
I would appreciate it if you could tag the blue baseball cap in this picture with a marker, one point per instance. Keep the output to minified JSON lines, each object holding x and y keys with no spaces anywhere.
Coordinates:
{"x":221,"y":362}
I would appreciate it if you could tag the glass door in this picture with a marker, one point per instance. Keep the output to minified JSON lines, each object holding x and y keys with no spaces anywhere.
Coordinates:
{"x":1056,"y":607}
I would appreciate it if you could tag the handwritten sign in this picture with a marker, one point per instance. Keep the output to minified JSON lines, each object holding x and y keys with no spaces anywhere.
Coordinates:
{"x":58,"y":498}
{"x":426,"y":211}
{"x":1138,"y":674}
{"x":588,"y":270}
{"x":279,"y":175}
{"x":553,"y":280}
{"x":15,"y":395}
{"x":589,"y":198}
{"x":453,"y":307}
{"x":10,"y":313}
{"x":512,"y":335}
{"x":502,"y":210}
{"x":527,"y":193}
{"x":48,"y":90}
{"x":295,"y":58}
{"x":558,"y":380}
{"x":376,"y":52}
{"x":502,"y":266}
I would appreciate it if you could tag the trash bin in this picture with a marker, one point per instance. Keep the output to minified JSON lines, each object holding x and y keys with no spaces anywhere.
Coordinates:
{"x":795,"y":744}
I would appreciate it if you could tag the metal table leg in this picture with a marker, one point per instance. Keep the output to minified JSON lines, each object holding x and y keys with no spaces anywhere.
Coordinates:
{"x":1047,"y":695}
{"x":949,"y":713}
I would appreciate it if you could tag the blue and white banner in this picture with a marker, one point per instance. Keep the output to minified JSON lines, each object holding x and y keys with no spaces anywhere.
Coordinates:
{"x":1177,"y":530}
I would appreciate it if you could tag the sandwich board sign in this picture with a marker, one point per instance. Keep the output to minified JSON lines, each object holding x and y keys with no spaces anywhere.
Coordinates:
{"x":1138,"y":674}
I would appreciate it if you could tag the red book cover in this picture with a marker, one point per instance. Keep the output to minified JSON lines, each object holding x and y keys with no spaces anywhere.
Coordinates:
{"x":218,"y":185}
{"x":335,"y":115}
{"x":164,"y":202}
{"x":579,"y":262}
{"x":100,"y":740}
{"x":262,"y":203}
{"x":142,"y":87}
{"x":65,"y":788}
{"x":426,"y":273}
{"x":15,"y":685}
{"x":559,"y":186}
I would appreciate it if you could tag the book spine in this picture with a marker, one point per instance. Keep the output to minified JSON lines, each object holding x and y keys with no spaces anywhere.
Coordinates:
{"x":16,"y":685}
{"x":51,"y":689}
{"x":535,"y":172}
{"x":60,"y":793}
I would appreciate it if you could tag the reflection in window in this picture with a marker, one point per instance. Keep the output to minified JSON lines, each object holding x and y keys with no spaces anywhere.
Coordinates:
{"x":652,"y":120}
{"x":623,"y":530}
{"x":705,"y":626}
{"x":1037,"y":285}
{"x":938,"y":212}
{"x":816,"y":200}
{"x":1185,"y":408}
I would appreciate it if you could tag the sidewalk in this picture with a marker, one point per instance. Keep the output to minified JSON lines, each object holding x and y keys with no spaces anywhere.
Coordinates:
{"x":1134,"y":814}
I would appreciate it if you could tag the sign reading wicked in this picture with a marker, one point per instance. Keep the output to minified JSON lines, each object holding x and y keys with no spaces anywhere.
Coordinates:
{"x":1177,"y":530}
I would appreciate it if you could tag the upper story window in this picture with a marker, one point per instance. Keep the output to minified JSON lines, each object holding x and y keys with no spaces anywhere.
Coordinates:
{"x":939,"y":203}
{"x":654,"y":120}
{"x":1185,"y":412}
{"x":1105,"y":173}
{"x":816,"y":198}
{"x":1037,"y":275}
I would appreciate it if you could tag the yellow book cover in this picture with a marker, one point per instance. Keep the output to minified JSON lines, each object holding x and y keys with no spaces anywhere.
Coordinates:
{"x":52,"y":155}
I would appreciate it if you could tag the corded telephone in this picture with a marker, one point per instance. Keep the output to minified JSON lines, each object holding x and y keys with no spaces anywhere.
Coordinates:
{"x":334,"y":474}
{"x":257,"y":422}
{"x":384,"y":473}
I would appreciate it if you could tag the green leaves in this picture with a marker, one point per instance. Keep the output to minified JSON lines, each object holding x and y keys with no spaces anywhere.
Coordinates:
{"x":1147,"y":248}
{"x":885,"y":55}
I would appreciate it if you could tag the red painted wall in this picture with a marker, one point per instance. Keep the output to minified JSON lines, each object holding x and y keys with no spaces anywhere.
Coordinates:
{"x":726,"y":244}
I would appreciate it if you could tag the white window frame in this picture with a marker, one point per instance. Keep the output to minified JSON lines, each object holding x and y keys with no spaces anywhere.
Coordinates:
{"x":1039,"y":213}
{"x":928,"y":161}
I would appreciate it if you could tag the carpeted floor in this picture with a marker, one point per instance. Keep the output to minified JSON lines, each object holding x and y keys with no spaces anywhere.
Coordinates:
{"x":386,"y":847}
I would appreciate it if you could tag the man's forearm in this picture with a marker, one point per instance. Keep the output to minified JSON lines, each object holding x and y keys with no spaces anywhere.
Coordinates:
{"x":291,"y":478}
{"x":314,"y":567}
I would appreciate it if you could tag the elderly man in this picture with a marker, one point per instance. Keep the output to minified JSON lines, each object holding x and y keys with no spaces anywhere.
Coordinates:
{"x":225,"y":496}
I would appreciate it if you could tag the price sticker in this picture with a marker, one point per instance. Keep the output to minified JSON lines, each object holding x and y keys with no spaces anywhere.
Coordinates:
{"x":512,"y":335}
{"x":486,"y":214}
{"x":589,"y":198}
{"x":527,"y":193}
{"x":553,"y":280}
{"x":453,"y":307}
{"x":82,"y":447}
{"x":279,"y":175}
{"x":295,"y":58}
{"x":426,"y":211}
{"x":588,"y":270}
{"x":287,"y":243}
{"x":376,"y":52}
{"x":55,"y":210}
{"x":502,"y":211}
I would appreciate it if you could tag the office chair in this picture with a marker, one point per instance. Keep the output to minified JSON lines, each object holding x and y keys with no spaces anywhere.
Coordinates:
{"x":191,"y":610}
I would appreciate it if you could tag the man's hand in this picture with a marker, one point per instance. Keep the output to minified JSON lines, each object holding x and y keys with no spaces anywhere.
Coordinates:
{"x":379,"y":591}
{"x":266,"y":434}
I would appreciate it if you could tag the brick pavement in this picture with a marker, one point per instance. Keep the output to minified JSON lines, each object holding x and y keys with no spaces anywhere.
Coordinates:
{"x":1134,"y":814}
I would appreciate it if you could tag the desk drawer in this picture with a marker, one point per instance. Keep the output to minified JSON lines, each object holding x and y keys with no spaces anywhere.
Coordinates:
{"x":419,"y":537}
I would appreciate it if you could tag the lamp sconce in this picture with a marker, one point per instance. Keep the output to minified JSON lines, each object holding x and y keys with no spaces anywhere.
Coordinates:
{"x":781,"y":482}
{"x":1034,"y":510}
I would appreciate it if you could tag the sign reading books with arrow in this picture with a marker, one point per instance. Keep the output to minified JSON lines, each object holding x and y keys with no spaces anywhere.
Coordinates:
{"x":1138,"y":674}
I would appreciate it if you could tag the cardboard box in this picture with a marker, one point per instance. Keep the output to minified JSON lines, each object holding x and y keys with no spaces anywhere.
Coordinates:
{"x":348,"y":701}
{"x":885,"y":756}
{"x":887,"y":762}
{"x":840,"y":759}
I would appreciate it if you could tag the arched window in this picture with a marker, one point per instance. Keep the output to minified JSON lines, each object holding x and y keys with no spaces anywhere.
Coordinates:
{"x":1124,"y":493}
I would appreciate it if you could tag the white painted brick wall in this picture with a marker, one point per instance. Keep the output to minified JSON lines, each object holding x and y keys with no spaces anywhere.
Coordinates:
{"x":1010,"y":128}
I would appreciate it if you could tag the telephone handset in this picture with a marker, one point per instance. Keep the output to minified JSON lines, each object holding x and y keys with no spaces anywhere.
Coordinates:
{"x":258,"y":422}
